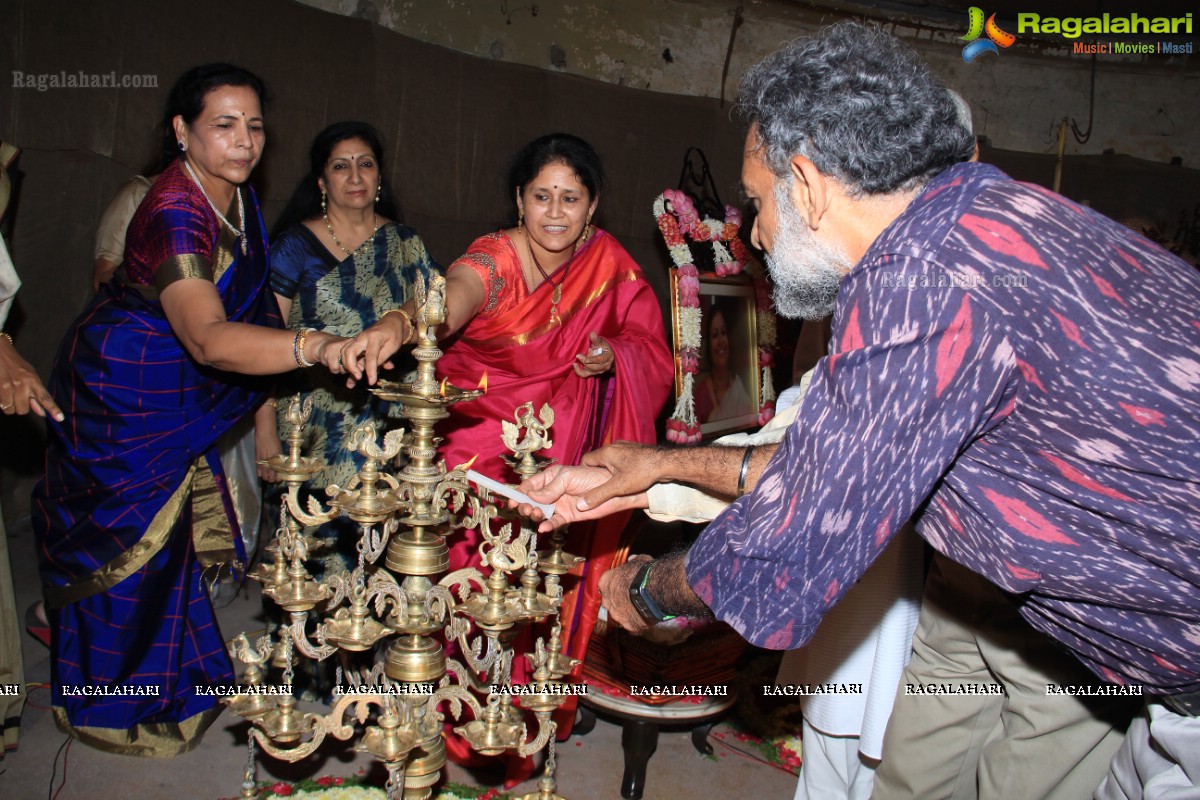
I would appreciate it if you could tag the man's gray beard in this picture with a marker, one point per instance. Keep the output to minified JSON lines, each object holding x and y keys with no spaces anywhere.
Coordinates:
{"x":805,"y":270}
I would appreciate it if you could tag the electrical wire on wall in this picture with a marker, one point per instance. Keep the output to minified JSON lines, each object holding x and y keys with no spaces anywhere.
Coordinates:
{"x":737,"y":23}
{"x":1083,"y":136}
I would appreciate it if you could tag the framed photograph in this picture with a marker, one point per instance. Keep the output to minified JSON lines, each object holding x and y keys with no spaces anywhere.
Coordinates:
{"x":726,"y":389}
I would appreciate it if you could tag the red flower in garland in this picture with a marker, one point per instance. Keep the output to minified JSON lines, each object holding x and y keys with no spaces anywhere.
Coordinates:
{"x":738,"y":248}
{"x":281,"y":789}
{"x":670,"y":230}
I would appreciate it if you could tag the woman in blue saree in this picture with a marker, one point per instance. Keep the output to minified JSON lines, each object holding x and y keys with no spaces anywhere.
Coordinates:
{"x":133,"y":505}
{"x":339,"y":262}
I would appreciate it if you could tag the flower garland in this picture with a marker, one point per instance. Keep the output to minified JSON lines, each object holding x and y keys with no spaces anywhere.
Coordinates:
{"x":679,"y":221}
{"x":356,"y":787}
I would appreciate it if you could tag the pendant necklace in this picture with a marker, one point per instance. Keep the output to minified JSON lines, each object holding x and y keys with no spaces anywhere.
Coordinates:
{"x":342,"y":247}
{"x":556,"y":296}
{"x":238,"y":233}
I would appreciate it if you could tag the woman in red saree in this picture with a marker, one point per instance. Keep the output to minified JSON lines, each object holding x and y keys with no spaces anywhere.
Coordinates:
{"x":554,"y":311}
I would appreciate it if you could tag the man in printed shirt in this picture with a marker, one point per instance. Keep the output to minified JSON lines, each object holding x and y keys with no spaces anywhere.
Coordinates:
{"x":1017,"y":373}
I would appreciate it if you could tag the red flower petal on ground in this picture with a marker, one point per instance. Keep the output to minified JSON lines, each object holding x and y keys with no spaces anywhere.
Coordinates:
{"x":1025,"y":520}
{"x":1003,"y":239}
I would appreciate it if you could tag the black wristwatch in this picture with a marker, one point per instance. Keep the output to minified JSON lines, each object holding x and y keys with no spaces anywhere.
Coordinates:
{"x":641,"y":599}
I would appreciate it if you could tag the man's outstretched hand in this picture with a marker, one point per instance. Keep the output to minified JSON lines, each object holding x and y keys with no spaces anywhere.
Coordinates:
{"x":566,"y":488}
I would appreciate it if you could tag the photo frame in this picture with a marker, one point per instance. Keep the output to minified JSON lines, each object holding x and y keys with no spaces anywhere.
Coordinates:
{"x":726,"y":387}
{"x":737,"y":280}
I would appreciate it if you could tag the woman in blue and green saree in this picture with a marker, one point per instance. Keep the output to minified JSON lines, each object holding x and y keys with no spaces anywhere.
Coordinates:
{"x":339,"y":261}
{"x":134,"y":506}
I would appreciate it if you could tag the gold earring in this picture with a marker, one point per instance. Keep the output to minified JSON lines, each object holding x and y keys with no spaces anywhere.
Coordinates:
{"x":324,"y":210}
{"x":379,"y":190}
{"x":521,"y":220}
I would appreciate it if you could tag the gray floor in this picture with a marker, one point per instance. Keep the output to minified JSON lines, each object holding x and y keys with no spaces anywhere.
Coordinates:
{"x":589,"y":766}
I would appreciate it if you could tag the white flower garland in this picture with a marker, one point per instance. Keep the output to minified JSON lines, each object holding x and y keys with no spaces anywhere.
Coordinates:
{"x":678,"y":221}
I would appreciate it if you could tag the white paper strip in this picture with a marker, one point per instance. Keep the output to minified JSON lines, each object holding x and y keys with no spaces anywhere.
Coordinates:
{"x":510,"y":492}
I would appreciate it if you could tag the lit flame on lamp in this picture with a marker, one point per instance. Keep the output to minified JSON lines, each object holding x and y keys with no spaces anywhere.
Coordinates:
{"x":442,"y":387}
{"x":483,"y":384}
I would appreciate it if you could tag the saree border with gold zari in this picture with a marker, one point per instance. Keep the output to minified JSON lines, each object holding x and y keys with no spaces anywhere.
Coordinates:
{"x":134,"y":502}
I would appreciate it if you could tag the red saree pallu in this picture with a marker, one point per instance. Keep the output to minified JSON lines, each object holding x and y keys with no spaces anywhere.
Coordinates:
{"x":528,"y":357}
{"x":134,"y":504}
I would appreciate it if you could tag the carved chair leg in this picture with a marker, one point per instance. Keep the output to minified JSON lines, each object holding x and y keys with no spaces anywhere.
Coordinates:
{"x":585,"y":722}
{"x":700,"y":738}
{"x":639,"y":739}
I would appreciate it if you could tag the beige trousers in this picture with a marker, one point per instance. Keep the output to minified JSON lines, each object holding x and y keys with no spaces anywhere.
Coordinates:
{"x":1022,"y":745}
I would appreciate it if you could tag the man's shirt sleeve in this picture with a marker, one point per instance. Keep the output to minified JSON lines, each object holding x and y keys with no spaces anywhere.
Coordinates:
{"x":918,"y":372}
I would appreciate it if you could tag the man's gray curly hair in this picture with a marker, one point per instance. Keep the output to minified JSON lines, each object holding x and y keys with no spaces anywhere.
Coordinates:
{"x":860,"y":105}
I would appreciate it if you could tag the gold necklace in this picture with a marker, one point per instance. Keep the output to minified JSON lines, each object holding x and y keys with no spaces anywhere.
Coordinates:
{"x":556,"y":296}
{"x":238,"y":234}
{"x":341,"y":246}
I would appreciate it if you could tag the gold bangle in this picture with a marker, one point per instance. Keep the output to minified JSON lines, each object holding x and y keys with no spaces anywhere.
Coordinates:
{"x":411,"y":327}
{"x":298,"y":348}
{"x":10,"y":341}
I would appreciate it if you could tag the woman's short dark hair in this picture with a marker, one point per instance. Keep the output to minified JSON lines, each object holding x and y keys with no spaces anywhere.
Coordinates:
{"x":187,"y":99}
{"x":305,"y":202}
{"x":557,"y":148}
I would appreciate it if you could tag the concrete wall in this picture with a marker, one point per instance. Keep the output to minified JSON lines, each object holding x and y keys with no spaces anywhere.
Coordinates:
{"x":1145,"y":106}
